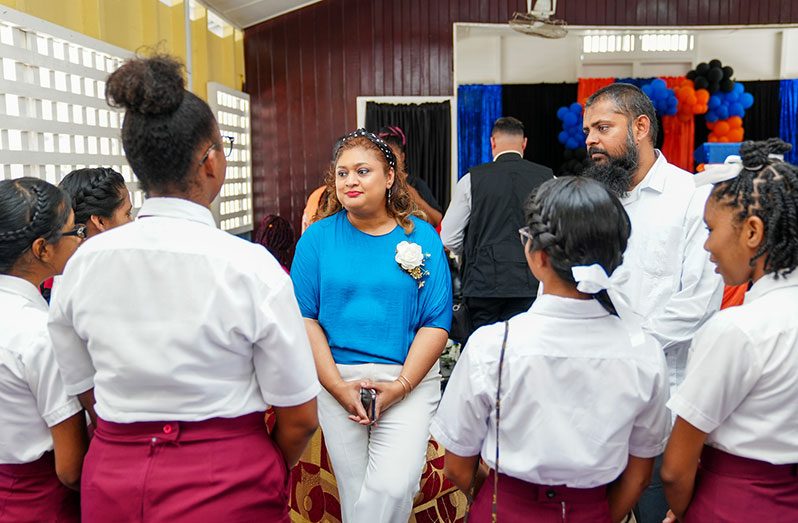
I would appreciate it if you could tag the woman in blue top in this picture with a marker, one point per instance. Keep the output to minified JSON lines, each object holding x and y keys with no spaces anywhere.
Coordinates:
{"x":374,"y":287}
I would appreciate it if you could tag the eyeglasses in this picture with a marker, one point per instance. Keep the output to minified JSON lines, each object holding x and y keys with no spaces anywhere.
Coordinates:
{"x":79,"y":231}
{"x":227,"y":148}
{"x":526,"y":236}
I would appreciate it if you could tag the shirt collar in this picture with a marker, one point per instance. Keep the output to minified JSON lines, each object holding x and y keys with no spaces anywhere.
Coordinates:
{"x":551,"y":305}
{"x":654,"y":179}
{"x":176,"y":208}
{"x":768,"y":283}
{"x":519,"y":153}
{"x":24,"y":288}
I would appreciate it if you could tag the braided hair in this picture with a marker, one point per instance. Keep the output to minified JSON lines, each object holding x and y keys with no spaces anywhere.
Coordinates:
{"x":767,"y":188}
{"x":576,"y":221}
{"x":29,"y":209}
{"x":276,"y":234}
{"x":94,"y":191}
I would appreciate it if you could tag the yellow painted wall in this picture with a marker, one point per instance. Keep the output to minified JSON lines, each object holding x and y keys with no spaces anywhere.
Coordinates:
{"x":137,"y":24}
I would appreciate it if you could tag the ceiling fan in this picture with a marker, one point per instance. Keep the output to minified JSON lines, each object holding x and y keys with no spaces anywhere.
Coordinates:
{"x":537,"y":21}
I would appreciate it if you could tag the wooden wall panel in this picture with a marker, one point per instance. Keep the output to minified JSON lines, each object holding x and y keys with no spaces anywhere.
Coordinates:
{"x":305,"y":69}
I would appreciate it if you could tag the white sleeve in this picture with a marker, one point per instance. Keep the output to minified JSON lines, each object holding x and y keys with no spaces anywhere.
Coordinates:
{"x":41,"y":373}
{"x":653,"y":424}
{"x":461,"y":423}
{"x":283,"y":360}
{"x":722,"y":369}
{"x":700,"y":289}
{"x":455,"y":220}
{"x":70,"y":350}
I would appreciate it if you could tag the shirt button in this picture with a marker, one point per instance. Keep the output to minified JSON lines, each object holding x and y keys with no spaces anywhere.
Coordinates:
{"x":550,"y":493}
{"x":167,"y":429}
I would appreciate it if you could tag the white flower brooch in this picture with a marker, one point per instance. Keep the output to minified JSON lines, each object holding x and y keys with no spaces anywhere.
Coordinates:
{"x":410,"y":258}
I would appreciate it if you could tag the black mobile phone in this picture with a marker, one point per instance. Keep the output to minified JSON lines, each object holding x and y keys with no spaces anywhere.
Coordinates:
{"x":368,"y":397}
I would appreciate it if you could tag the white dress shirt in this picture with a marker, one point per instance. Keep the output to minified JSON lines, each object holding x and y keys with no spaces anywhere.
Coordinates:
{"x":455,"y":221}
{"x":577,"y":396}
{"x":742,"y":377}
{"x":32,"y":395}
{"x":170,"y":318}
{"x":666,"y":273}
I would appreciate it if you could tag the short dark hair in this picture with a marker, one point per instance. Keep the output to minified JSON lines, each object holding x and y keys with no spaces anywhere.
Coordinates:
{"x":508,"y":125}
{"x":767,"y":188}
{"x":30,"y":208}
{"x":94,"y":191}
{"x":164,"y":124}
{"x":577,"y":221}
{"x":276,"y":234}
{"x":630,"y":101}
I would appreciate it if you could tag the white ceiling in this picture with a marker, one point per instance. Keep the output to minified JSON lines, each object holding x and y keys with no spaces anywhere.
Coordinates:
{"x":246,"y":13}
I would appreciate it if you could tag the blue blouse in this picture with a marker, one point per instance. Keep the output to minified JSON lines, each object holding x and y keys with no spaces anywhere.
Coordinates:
{"x":369,"y":307}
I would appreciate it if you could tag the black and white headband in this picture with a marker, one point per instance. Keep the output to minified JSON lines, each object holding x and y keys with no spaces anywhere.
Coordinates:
{"x":731,"y":168}
{"x":373,"y":138}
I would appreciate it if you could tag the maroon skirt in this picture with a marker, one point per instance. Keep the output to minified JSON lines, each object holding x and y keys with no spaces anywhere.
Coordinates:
{"x":731,"y":488}
{"x":32,"y":493}
{"x":214,"y":470}
{"x":521,"y":502}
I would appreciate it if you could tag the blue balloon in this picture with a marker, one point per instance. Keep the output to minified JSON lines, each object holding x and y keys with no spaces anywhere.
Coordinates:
{"x":738,"y":88}
{"x":576,"y":108}
{"x":562,"y":137}
{"x":711,"y":116}
{"x":747,"y":99}
{"x":732,"y":97}
{"x":659,"y":84}
{"x":714,"y":102}
{"x":736,"y":109}
{"x":561,"y":112}
{"x":572,"y":144}
{"x":569,"y":119}
{"x":723,"y":112}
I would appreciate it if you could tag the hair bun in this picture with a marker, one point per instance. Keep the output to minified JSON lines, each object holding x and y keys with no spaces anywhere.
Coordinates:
{"x":756,"y":154}
{"x":153,"y":85}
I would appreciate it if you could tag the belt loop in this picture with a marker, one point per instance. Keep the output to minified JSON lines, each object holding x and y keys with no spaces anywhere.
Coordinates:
{"x":563,"y":511}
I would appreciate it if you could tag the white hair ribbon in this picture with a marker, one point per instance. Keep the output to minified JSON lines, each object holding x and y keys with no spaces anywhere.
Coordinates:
{"x":592,"y":279}
{"x":731,"y":168}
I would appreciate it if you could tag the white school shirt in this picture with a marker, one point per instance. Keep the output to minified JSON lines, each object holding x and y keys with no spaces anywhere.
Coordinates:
{"x":742,"y":376}
{"x":32,"y":395}
{"x":577,"y":396}
{"x":666,"y":273}
{"x":170,"y":318}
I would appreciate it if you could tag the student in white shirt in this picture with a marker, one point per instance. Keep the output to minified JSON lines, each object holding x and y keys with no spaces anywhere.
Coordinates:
{"x":666,"y":274}
{"x":100,"y":198}
{"x":42,"y":429}
{"x":582,"y":393}
{"x":737,"y":409}
{"x":183,"y":333}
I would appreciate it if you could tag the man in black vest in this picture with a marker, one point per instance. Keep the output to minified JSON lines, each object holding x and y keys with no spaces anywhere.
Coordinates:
{"x":482,"y":225}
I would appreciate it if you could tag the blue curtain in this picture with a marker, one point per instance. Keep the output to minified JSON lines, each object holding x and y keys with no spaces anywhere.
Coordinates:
{"x":478,"y":106}
{"x":788,"y":126}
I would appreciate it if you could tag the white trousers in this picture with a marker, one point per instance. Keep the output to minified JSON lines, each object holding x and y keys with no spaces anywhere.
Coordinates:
{"x":378,"y":471}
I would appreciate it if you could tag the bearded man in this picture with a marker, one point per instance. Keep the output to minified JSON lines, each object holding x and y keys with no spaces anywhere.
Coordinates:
{"x":666,"y":273}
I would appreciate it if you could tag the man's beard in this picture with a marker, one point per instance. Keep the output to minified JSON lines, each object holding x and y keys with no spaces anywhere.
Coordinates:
{"x":617,"y":173}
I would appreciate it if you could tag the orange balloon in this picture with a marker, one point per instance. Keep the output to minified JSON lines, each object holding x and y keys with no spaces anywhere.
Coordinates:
{"x":702,"y":95}
{"x":699,"y":167}
{"x":711,"y":125}
{"x":736,"y":135}
{"x":712,"y":138}
{"x":685,"y":117}
{"x":722,"y":128}
{"x":723,"y":139}
{"x":691,"y":99}
{"x":735,"y":122}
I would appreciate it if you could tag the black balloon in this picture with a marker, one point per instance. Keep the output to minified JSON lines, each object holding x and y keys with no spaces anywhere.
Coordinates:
{"x":691,"y":75}
{"x":728,"y":72}
{"x":701,"y":82}
{"x":715,"y":75}
{"x":702,"y":69}
{"x":715,"y":63}
{"x":714,"y":87}
{"x":727,"y":85}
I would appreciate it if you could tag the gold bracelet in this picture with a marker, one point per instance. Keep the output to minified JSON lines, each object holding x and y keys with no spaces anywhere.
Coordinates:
{"x":404,"y":387}
{"x":405,"y":384}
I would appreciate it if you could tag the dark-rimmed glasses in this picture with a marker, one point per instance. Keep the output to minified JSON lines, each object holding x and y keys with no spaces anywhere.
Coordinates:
{"x":227,"y":148}
{"x":79,"y":231}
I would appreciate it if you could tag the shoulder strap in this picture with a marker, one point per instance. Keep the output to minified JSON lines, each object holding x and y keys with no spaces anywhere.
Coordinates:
{"x":495,"y":508}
